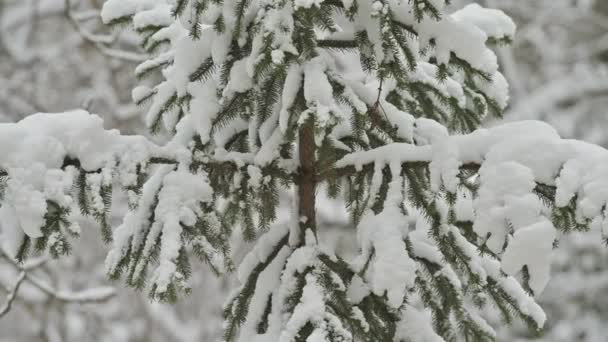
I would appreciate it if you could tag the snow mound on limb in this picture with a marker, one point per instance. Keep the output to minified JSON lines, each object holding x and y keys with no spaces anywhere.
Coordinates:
{"x":513,"y":160}
{"x":42,"y":155}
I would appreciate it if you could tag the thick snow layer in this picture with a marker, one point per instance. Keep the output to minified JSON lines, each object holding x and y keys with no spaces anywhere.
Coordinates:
{"x":524,"y":301}
{"x":311,"y":308}
{"x":531,"y":246}
{"x":239,"y":80}
{"x":75,"y":134}
{"x":37,"y":175}
{"x":318,"y":92}
{"x":495,"y":23}
{"x":160,"y":15}
{"x":141,"y":92}
{"x":267,"y":284}
{"x":497,"y":89}
{"x":178,"y":201}
{"x":357,"y":290}
{"x":465,"y":38}
{"x":391,"y":270}
{"x":415,"y":326}
{"x":505,"y":200}
{"x":115,"y":9}
{"x":130,"y":231}
{"x":461,"y":38}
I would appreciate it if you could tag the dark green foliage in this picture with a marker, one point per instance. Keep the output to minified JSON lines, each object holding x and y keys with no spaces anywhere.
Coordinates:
{"x":502,"y":41}
{"x":199,"y":7}
{"x":24,"y":249}
{"x":169,"y":105}
{"x":83,"y":193}
{"x":240,"y":12}
{"x":204,"y":71}
{"x":263,"y":325}
{"x":424,"y":8}
{"x":366,"y":56}
{"x":437,"y":291}
{"x":270,"y":92}
{"x":81,"y":187}
{"x":55,"y":222}
{"x":122,"y":21}
{"x":563,"y":218}
{"x":233,"y":109}
{"x":400,"y":38}
{"x":268,"y":203}
{"x":180,"y":5}
{"x":336,"y":44}
{"x":378,"y":202}
{"x":102,"y":217}
{"x":355,"y":199}
{"x":208,"y":231}
{"x":3,"y":179}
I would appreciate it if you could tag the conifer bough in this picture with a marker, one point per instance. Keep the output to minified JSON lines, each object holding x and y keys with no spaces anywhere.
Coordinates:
{"x":377,"y":103}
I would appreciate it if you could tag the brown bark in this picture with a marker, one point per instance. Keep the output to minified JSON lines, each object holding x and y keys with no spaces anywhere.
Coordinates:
{"x":306,"y":178}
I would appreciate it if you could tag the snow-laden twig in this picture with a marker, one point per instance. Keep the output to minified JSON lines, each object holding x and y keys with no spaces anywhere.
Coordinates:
{"x":101,"y":42}
{"x":12,"y":295}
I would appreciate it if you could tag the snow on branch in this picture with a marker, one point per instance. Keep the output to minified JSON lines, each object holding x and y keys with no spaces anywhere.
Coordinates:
{"x":520,"y":167}
{"x":53,"y":165}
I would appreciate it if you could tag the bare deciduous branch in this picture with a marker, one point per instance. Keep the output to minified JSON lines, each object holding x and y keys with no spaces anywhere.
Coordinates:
{"x":101,"y":42}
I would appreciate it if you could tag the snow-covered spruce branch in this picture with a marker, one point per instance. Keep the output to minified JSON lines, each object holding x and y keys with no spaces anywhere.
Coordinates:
{"x":74,"y":168}
{"x":566,"y":175}
{"x":54,"y":165}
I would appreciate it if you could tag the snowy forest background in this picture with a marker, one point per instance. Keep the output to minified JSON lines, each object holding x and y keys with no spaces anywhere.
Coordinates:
{"x":56,"y":55}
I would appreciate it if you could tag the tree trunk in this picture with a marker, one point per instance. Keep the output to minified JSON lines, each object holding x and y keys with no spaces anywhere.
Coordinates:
{"x":306,"y":179}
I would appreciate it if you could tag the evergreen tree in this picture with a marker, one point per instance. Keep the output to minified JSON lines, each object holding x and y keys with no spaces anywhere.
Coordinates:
{"x":376,"y":102}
